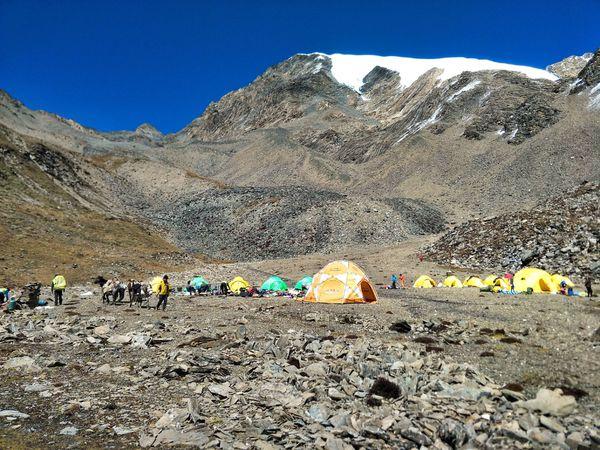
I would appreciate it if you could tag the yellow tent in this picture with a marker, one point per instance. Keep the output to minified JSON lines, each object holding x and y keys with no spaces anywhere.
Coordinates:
{"x":238,"y":283}
{"x":341,"y":282}
{"x":425,"y":282}
{"x":155,"y":283}
{"x":452,"y":282}
{"x":489,"y":280}
{"x":536,"y":279}
{"x":501,"y":284}
{"x":473,"y":282}
{"x":557,"y":279}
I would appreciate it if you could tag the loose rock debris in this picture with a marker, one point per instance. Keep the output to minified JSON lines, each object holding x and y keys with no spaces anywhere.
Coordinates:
{"x":157,"y":383}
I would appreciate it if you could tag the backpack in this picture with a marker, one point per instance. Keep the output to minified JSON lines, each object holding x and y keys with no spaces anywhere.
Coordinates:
{"x":59,"y":282}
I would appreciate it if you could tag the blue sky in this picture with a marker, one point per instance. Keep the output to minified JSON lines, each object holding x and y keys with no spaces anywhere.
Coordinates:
{"x":115,"y":64}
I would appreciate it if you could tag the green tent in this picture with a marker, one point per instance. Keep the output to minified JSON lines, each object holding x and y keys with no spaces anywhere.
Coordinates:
{"x":304,"y":283}
{"x":198,"y":282}
{"x":274,"y":283}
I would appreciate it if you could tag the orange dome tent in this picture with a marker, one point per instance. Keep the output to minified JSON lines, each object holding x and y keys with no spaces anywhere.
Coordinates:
{"x":341,"y":282}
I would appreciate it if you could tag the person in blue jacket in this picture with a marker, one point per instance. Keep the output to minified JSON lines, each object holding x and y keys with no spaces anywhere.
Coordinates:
{"x":394,"y":281}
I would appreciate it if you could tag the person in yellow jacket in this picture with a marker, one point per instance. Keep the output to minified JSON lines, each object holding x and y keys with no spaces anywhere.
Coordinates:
{"x":164,"y":289}
{"x":59,"y":284}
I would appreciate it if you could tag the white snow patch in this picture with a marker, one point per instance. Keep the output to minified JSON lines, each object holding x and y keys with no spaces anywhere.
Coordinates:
{"x":464,"y":89}
{"x":351,"y":69}
{"x":574,"y":83}
{"x":484,"y":97}
{"x":595,"y":89}
{"x":513,"y":134}
{"x":420,"y":125}
{"x":500,"y":132}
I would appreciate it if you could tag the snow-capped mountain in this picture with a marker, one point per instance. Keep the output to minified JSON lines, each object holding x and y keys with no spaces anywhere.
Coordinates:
{"x":352,"y":69}
{"x":334,"y":137}
{"x":403,"y":96}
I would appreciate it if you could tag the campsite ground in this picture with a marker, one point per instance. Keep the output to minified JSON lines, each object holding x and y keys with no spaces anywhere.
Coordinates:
{"x":526,"y":341}
{"x":552,"y":347}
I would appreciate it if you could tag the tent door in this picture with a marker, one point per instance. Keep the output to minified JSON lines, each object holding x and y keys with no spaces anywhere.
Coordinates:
{"x":368,"y":294}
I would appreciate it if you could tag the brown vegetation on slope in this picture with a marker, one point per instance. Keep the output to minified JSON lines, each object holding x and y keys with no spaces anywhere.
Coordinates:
{"x":51,"y":221}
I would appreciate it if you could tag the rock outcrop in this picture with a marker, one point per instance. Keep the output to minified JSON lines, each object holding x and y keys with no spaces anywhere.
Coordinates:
{"x":560,"y":236}
{"x":571,"y":66}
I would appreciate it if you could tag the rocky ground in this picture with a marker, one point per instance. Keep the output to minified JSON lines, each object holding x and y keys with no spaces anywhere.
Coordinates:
{"x":560,"y":235}
{"x":244,"y":223}
{"x":419,"y":369}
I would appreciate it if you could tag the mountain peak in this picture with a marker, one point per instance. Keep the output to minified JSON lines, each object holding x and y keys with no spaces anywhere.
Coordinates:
{"x":148,"y":129}
{"x":351,"y":70}
{"x":571,"y":66}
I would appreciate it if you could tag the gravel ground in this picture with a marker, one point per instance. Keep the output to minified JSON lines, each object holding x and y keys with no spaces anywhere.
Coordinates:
{"x":530,"y":342}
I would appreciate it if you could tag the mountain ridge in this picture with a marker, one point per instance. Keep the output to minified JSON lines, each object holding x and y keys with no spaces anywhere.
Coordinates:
{"x":452,"y":149}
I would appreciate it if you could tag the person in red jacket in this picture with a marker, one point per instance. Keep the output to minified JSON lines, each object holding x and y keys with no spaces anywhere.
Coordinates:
{"x":402,"y":279}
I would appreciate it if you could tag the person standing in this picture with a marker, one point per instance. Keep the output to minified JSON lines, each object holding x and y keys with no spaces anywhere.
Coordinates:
{"x":224,"y":288}
{"x":107,"y":291}
{"x":129,"y":291}
{"x":163,"y":293}
{"x":136,"y":293}
{"x":403,"y":281}
{"x":588,"y":285}
{"x":394,"y":279}
{"x":118,"y":291}
{"x":509,"y":276}
{"x":59,"y":284}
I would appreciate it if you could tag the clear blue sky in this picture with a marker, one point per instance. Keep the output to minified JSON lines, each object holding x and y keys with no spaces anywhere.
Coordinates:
{"x":115,"y":64}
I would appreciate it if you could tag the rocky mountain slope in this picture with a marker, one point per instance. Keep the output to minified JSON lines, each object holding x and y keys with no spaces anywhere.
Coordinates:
{"x":560,"y":235}
{"x":325,"y":150}
{"x":469,"y":144}
{"x":571,"y":66}
{"x":56,"y":216}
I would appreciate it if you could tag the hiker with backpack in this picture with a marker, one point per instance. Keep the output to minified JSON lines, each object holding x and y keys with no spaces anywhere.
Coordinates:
{"x":130,"y":290}
{"x":135,"y":295}
{"x":118,"y":291}
{"x":107,"y":290}
{"x":58,"y":286}
{"x":164,"y":288}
